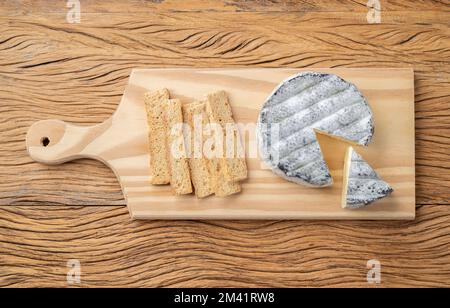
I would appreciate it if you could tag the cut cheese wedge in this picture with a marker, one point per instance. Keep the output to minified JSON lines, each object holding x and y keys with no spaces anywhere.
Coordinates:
{"x":300,"y":106}
{"x":361,"y":184}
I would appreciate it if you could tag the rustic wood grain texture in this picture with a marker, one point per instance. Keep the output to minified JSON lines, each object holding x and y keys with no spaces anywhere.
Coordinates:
{"x":37,"y":241}
{"x":77,"y":72}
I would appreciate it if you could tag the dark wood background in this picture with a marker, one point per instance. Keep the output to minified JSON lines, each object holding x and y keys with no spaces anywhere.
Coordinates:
{"x":50,"y":68}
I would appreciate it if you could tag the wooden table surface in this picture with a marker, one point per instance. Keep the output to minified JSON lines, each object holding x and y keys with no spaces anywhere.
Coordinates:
{"x":76,"y":72}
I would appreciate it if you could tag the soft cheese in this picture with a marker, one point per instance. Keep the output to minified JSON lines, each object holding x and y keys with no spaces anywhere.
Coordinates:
{"x":361,"y":185}
{"x":296,"y":110}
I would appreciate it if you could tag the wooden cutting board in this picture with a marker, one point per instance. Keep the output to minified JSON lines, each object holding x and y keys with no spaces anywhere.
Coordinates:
{"x":121,"y":143}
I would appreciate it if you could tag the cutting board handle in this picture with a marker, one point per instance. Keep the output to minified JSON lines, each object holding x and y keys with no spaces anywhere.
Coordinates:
{"x":55,"y":142}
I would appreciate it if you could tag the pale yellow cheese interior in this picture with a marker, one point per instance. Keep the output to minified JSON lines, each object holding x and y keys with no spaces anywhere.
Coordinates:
{"x":345,"y":176}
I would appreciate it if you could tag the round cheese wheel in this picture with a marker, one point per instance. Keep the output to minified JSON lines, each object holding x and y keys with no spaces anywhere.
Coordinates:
{"x":298,"y":108}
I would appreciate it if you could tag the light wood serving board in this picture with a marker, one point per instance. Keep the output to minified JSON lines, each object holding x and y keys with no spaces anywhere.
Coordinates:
{"x":121,"y":143}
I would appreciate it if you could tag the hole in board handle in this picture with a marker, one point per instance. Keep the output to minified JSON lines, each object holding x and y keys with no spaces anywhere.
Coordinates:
{"x":45,"y":141}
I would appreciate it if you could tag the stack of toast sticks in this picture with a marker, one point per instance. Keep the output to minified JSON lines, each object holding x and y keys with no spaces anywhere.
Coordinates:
{"x":177,"y":145}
